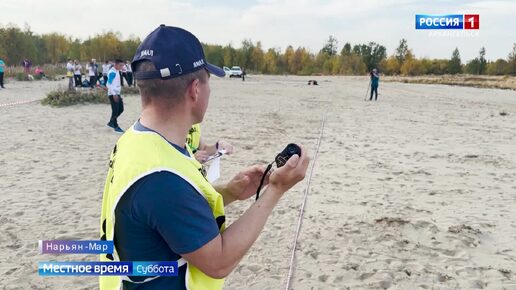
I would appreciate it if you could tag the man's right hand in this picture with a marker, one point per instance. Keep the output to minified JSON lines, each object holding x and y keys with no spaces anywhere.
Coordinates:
{"x":221,"y":255}
{"x":291,"y":173}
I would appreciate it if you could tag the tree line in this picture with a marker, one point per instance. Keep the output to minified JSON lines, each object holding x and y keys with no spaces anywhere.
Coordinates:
{"x":18,"y":44}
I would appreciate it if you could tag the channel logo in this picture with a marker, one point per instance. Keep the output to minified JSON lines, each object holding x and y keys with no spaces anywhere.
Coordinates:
{"x":452,"y":21}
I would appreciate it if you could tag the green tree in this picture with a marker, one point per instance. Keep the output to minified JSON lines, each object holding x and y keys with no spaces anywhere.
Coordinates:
{"x":455,"y":64}
{"x":411,"y":66}
{"x":472,"y":67}
{"x":56,"y":46}
{"x":511,"y":59}
{"x":75,"y":49}
{"x":498,"y":67}
{"x":288,"y":58}
{"x":482,"y":61}
{"x":402,"y":50}
{"x":390,"y":66}
{"x":330,"y":48}
{"x":129,"y":47}
{"x":372,"y":54}
{"x":271,"y":61}
{"x":214,"y":54}
{"x":243,"y":55}
{"x":352,"y":64}
{"x":256,"y":63}
{"x":229,"y":55}
{"x":346,"y":50}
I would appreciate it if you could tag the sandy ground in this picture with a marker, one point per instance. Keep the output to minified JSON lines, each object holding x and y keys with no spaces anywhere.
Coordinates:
{"x":415,"y":191}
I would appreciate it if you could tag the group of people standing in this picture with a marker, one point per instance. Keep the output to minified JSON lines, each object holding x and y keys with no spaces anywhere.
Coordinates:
{"x":111,"y":78}
{"x":74,"y":72}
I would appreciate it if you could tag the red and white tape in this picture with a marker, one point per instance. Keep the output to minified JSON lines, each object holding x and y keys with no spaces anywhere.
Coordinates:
{"x":18,"y":103}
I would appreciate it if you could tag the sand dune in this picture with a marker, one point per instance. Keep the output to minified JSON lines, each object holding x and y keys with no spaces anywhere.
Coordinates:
{"x":415,"y":191}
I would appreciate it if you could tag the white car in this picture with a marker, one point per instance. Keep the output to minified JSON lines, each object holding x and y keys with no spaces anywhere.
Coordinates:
{"x":233,"y":72}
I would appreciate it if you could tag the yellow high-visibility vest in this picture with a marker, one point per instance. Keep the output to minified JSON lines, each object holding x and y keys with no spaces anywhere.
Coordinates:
{"x":136,"y":155}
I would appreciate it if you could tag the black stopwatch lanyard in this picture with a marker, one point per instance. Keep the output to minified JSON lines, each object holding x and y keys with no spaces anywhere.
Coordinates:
{"x":269,"y":167}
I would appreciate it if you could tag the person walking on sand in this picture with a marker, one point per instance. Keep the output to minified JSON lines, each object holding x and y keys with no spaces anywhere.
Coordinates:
{"x":2,"y":70}
{"x":115,"y":95}
{"x":164,"y":208}
{"x":375,"y":79}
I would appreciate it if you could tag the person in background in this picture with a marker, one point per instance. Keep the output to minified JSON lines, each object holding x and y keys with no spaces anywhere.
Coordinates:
{"x":200,"y":149}
{"x":115,"y":95}
{"x":27,"y":65}
{"x":375,"y":79}
{"x":69,"y":74}
{"x":105,"y":69}
{"x":123,"y":75}
{"x":39,"y":72}
{"x":129,"y":74}
{"x":2,"y":70}
{"x":77,"y":74}
{"x":92,"y":68}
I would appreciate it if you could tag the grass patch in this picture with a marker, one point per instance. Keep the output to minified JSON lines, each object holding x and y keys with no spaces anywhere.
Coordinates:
{"x":491,"y":82}
{"x":63,"y":98}
{"x":20,"y":76}
{"x":130,"y":91}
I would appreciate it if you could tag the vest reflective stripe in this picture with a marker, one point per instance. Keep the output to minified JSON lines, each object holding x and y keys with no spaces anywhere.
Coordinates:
{"x":126,"y":278}
{"x":194,"y":137}
{"x":136,"y":155}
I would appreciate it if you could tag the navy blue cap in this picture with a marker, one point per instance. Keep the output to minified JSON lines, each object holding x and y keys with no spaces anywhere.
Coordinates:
{"x":174,"y":52}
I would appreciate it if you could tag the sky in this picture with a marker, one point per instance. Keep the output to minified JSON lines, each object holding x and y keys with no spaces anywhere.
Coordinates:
{"x":278,"y":23}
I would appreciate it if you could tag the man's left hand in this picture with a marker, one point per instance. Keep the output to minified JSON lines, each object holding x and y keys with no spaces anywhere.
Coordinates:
{"x":245,"y":183}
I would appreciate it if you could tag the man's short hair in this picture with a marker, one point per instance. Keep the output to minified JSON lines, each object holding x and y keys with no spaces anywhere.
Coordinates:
{"x":170,"y":91}
{"x":117,"y":61}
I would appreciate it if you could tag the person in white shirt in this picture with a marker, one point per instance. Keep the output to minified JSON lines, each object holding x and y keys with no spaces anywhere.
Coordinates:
{"x":92,"y":72}
{"x":69,"y":74}
{"x":77,"y":74}
{"x":129,"y":74}
{"x":123,"y":74}
{"x":105,"y":69}
{"x":114,"y":87}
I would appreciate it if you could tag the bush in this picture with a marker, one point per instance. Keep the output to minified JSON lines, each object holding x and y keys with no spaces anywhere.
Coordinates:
{"x":130,"y":91}
{"x":63,"y":98}
{"x":21,"y":77}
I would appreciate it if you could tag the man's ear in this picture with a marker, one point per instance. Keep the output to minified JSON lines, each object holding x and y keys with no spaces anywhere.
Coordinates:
{"x":193,"y":90}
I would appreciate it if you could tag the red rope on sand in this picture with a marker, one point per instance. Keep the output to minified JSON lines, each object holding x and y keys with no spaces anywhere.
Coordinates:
{"x":18,"y":103}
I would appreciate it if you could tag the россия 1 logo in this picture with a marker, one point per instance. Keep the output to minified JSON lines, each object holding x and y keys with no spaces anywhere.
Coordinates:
{"x":452,"y":21}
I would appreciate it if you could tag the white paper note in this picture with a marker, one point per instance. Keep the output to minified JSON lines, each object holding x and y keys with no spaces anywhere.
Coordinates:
{"x":214,"y":171}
